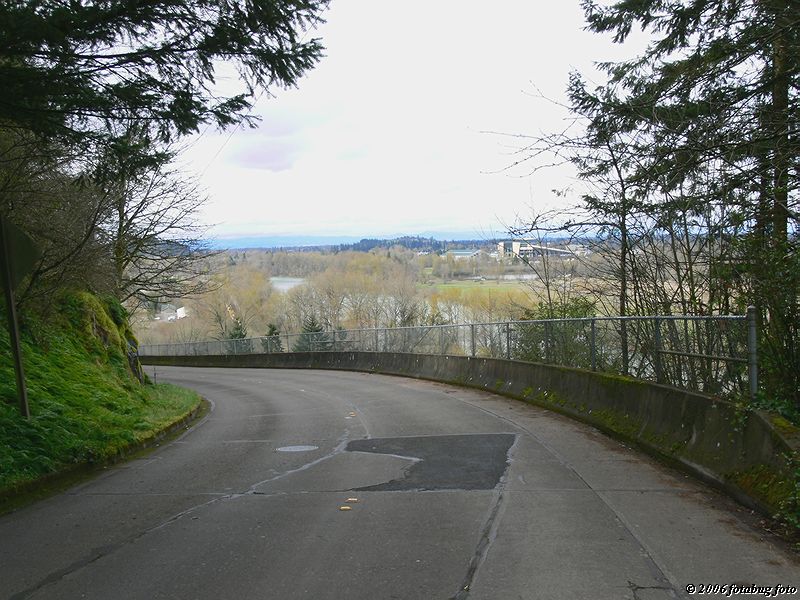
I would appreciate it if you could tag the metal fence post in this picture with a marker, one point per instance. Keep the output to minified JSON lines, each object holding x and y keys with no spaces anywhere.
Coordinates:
{"x":657,"y":351}
{"x":623,"y":332}
{"x":594,"y":344}
{"x":508,"y":341}
{"x":442,"y":349}
{"x":752,"y":351}
{"x":547,"y":342}
{"x":472,"y":338}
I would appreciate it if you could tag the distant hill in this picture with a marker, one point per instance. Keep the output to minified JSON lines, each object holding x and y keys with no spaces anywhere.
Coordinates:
{"x":423,"y":241}
{"x":280,"y":241}
{"x":420,"y":244}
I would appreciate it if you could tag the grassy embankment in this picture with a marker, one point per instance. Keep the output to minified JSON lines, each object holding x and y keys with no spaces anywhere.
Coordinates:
{"x":86,"y":405}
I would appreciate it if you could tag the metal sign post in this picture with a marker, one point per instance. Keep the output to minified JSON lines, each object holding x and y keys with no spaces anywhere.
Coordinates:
{"x":7,"y":279}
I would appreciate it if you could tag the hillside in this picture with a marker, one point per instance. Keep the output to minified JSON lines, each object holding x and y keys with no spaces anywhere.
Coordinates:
{"x":87,"y":406}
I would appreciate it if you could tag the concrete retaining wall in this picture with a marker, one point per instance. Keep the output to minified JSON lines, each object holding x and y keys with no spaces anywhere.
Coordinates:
{"x":745,"y":453}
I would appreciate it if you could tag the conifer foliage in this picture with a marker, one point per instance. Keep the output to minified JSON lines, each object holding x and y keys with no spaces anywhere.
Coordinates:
{"x":712,"y":110}
{"x":84,"y":71}
{"x":693,"y":154}
{"x":314,"y":338}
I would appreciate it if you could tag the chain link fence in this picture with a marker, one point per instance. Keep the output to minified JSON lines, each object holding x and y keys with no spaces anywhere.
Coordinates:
{"x":713,"y":355}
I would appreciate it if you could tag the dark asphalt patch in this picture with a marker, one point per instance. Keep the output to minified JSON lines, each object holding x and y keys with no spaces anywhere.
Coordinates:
{"x":446,"y":462}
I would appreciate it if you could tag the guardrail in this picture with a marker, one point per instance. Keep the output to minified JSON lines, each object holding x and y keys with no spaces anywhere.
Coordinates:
{"x":708,"y":354}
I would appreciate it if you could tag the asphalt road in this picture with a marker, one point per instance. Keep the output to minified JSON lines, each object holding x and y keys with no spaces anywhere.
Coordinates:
{"x":459,"y":494}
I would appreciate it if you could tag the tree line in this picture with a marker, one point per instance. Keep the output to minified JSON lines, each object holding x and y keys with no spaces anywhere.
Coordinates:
{"x":345,"y":290}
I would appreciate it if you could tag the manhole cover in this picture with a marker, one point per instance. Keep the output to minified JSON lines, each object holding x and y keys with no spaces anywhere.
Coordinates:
{"x":297,"y":448}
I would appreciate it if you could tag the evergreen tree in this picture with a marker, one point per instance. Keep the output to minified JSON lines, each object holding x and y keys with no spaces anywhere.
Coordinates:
{"x":272,"y":341}
{"x":313,"y":337}
{"x":235,"y":335}
{"x":238,"y":331}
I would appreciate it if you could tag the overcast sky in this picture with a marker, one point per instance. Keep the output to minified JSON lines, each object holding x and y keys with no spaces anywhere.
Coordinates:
{"x":386,"y":135}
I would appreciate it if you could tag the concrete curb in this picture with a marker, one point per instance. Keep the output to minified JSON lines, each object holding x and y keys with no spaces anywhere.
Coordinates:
{"x":741,"y":452}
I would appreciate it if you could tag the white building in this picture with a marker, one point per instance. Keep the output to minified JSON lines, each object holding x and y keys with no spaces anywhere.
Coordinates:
{"x":525,"y":249}
{"x":463,"y":254}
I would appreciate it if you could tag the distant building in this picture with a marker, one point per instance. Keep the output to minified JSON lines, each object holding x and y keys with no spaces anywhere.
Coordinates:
{"x":505,"y":249}
{"x":578,"y":249}
{"x":166,"y":312}
{"x":463,"y":254}
{"x":525,"y":249}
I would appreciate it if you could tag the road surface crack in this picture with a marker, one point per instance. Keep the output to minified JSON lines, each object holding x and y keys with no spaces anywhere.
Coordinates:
{"x":489,"y":532}
{"x":635,"y":589}
{"x":488,"y":536}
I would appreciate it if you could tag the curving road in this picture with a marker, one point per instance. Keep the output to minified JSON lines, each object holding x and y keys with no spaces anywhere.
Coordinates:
{"x":458,"y":494}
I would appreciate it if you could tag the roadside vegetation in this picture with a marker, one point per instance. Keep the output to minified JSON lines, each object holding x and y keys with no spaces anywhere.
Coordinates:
{"x":87,"y":405}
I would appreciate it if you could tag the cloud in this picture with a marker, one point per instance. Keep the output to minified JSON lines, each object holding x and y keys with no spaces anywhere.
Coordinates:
{"x":266,"y":153}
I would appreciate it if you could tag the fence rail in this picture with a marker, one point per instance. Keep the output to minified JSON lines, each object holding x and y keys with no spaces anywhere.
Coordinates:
{"x":709,"y":354}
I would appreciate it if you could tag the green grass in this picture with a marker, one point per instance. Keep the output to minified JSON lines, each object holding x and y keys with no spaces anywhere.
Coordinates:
{"x":86,"y":405}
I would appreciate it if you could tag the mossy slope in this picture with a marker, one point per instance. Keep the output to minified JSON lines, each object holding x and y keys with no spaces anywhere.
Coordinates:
{"x":86,"y":403}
